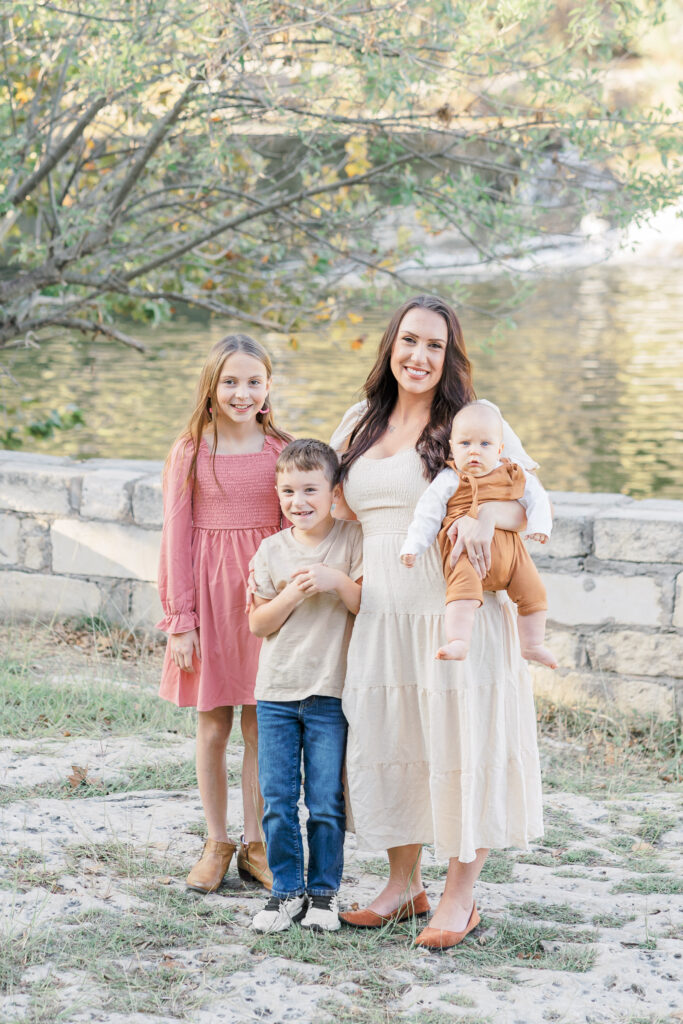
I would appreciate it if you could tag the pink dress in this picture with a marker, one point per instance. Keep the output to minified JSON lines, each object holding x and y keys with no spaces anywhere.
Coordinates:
{"x":210,"y":534}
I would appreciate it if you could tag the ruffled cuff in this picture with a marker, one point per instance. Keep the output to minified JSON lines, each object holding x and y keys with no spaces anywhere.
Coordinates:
{"x":179,"y":622}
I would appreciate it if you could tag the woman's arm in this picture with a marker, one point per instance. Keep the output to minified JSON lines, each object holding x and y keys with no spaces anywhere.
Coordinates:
{"x":475,"y":535}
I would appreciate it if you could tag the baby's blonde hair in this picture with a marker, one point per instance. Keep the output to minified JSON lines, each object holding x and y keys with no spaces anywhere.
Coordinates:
{"x":484,"y":407}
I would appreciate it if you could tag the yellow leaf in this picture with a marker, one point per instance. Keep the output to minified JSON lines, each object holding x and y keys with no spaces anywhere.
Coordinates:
{"x":293,"y":343}
{"x":354,"y":318}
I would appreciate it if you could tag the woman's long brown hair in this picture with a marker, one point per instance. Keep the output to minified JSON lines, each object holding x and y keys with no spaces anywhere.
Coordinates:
{"x":206,"y":399}
{"x":381,"y":391}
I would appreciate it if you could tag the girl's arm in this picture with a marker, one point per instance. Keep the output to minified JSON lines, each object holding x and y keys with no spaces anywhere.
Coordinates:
{"x":320,"y":579}
{"x":176,"y":577}
{"x":266,"y":617}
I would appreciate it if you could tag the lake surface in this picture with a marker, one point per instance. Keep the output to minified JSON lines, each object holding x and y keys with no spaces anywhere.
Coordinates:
{"x":591,"y":378}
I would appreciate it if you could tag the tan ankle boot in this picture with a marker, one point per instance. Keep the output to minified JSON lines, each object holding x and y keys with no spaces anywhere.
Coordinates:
{"x":208,"y":872}
{"x":252,"y":864}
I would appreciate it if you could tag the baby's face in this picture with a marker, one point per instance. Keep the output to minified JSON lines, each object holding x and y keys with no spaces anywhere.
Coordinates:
{"x":476,"y":441}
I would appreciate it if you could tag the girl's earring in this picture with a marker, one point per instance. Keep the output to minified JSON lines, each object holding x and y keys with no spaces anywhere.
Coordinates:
{"x":264,"y":410}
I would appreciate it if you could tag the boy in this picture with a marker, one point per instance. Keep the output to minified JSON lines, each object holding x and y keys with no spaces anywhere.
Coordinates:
{"x":307,"y":581}
{"x":480,"y":475}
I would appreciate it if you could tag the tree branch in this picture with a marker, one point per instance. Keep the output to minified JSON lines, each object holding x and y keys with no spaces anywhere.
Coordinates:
{"x":52,"y":159}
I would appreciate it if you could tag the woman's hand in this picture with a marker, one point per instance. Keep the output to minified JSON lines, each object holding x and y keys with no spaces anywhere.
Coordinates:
{"x":474,"y":536}
{"x":183,"y":645}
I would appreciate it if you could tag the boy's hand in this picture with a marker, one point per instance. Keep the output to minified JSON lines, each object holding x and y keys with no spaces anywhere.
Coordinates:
{"x":408,"y":560}
{"x":540,"y":537}
{"x":316,"y":579}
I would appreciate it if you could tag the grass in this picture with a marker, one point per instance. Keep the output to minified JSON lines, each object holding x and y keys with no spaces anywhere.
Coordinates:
{"x":612,"y":920}
{"x":608,"y":753}
{"x":517,"y":943}
{"x":648,"y":885}
{"x":170,"y":776}
{"x":561,"y":912}
{"x":499,"y":868}
{"x":125,"y":860}
{"x":33,"y":709}
{"x":654,"y":825}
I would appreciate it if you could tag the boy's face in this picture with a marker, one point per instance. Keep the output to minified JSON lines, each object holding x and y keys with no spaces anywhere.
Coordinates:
{"x":306,"y":496}
{"x":476,"y":441}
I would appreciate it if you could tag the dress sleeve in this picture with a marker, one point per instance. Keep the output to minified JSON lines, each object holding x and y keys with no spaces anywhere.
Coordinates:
{"x":539,"y":516}
{"x":176,"y":576}
{"x":349,"y":420}
{"x":512,"y":446}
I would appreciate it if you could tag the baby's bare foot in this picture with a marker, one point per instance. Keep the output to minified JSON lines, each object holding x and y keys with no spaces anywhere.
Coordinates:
{"x":456,"y":650}
{"x":541,"y":654}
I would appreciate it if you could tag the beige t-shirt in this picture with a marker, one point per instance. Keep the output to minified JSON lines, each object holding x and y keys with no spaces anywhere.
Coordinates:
{"x":306,"y":656}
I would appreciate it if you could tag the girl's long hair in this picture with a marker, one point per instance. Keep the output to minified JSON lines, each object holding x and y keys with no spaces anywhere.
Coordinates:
{"x":206,"y":399}
{"x":381,"y":391}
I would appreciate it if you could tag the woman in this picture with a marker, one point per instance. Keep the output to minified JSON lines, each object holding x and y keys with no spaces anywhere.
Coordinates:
{"x":441,"y":752}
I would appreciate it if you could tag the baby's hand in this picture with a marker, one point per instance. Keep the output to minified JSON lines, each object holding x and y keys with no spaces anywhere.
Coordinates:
{"x":408,"y":560}
{"x":540,"y":537}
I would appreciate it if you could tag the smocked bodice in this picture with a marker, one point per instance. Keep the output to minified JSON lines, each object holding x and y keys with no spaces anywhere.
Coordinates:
{"x":241,"y":495}
{"x":383,"y":493}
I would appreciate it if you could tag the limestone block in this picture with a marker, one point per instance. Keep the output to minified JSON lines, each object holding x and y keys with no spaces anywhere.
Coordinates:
{"x":148,"y":501}
{"x":595,"y":689}
{"x":25,"y":595}
{"x":116,"y":601}
{"x":642,"y":654}
{"x":138,"y":467}
{"x":566,"y":645}
{"x":637,"y":534}
{"x":104,"y":549}
{"x":39,"y":486}
{"x":572,"y":534}
{"x":106,"y":493}
{"x":678,"y":606}
{"x":600,"y":499}
{"x":592,"y":600}
{"x":146,"y":608}
{"x":35,"y":543}
{"x":10,"y":530}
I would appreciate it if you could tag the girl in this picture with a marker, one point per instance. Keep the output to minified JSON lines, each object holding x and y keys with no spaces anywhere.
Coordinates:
{"x":219,"y":504}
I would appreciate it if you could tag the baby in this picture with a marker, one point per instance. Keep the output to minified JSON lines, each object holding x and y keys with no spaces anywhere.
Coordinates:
{"x":480,"y":475}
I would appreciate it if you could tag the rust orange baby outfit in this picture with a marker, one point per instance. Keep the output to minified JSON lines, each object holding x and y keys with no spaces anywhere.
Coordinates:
{"x":511,"y":566}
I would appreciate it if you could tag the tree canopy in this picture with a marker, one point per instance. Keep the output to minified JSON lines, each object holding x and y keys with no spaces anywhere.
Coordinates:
{"x":247,"y":157}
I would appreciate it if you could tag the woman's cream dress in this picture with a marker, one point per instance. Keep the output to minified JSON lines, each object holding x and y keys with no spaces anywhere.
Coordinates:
{"x":438,"y":751}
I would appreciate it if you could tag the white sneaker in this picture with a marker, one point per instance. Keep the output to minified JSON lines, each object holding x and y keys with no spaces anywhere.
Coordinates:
{"x":279,"y":915}
{"x":322,"y":914}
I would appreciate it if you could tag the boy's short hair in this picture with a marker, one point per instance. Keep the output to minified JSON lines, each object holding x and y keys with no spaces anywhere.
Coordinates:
{"x":308,"y":453}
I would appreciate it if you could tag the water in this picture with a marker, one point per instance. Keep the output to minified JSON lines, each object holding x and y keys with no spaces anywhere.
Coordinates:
{"x":591,"y":379}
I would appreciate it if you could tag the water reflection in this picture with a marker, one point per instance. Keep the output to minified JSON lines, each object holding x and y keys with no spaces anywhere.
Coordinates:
{"x":591,"y":378}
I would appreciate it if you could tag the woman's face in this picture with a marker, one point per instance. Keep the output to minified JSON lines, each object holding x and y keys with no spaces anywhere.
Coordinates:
{"x":419,"y":351}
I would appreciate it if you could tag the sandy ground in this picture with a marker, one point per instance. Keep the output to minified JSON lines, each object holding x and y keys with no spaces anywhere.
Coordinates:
{"x":603,"y":953}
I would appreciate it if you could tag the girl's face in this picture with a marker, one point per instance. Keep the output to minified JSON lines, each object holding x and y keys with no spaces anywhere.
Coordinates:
{"x":242,"y":388}
{"x":419,"y":351}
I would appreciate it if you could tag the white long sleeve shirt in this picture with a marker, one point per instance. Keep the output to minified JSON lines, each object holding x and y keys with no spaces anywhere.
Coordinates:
{"x":430,"y":510}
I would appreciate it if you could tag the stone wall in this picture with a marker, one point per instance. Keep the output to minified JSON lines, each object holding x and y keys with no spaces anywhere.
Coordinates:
{"x":82,"y":538}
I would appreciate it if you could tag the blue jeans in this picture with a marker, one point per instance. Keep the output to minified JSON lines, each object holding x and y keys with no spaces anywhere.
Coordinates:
{"x":316,"y":728}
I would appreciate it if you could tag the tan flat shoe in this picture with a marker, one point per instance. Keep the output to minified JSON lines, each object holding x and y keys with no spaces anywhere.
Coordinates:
{"x":416,"y":906}
{"x":210,"y":869}
{"x":438,"y":938}
{"x":252,"y":864}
